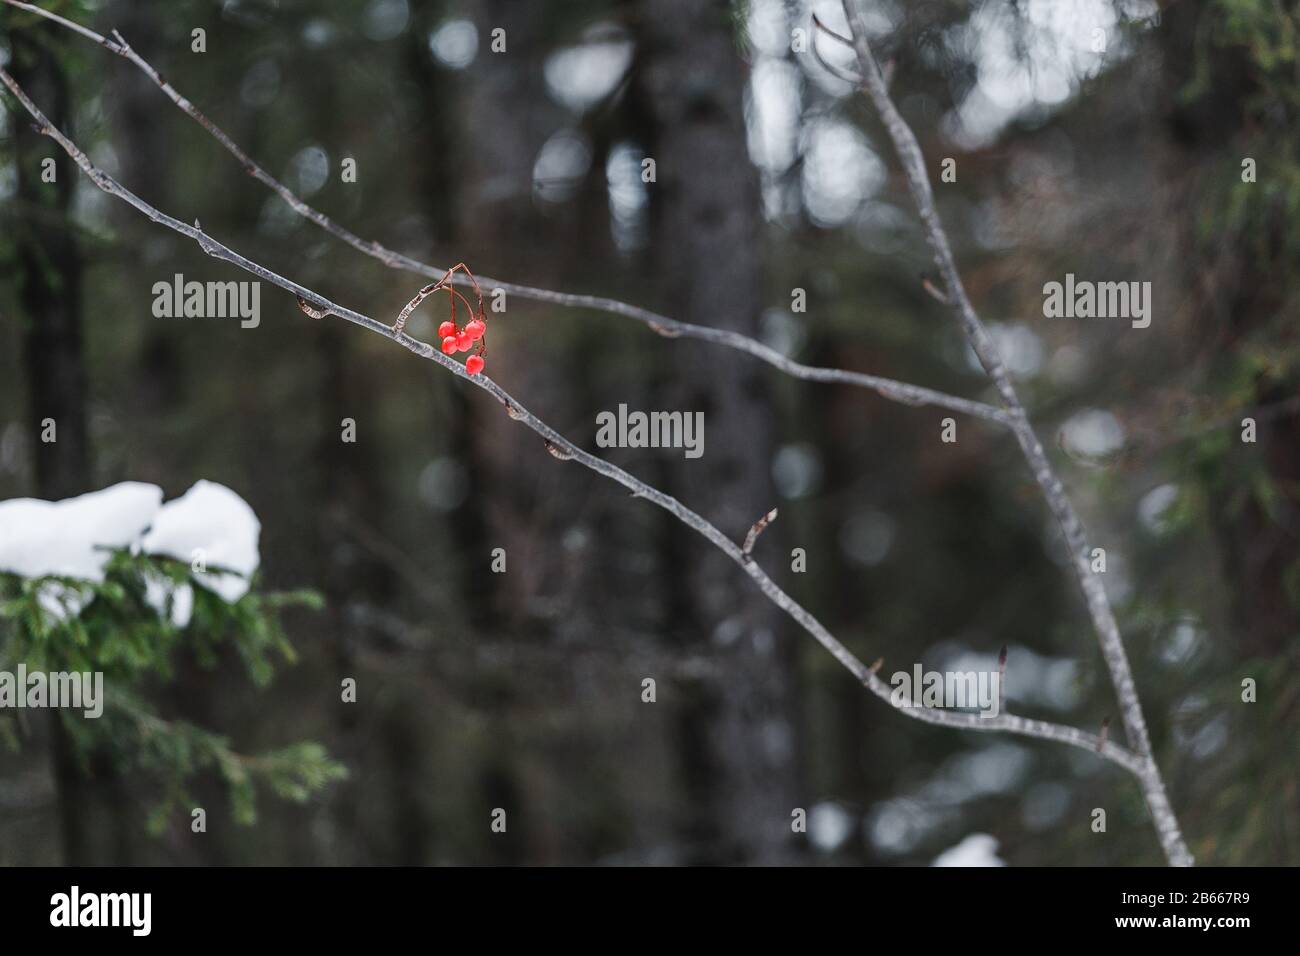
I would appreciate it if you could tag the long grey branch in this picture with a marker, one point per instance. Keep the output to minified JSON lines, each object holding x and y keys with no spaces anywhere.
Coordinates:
{"x":1062,"y":509}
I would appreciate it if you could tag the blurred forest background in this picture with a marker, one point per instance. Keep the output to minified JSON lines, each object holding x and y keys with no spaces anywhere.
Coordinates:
{"x":523,"y":690}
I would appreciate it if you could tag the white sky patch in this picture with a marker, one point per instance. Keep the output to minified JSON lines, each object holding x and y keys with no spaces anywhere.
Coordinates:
{"x":1195,"y":731}
{"x":580,"y":76}
{"x":773,"y":105}
{"x":995,"y":769}
{"x":998,"y":768}
{"x":1033,"y":58}
{"x":1092,"y":434}
{"x":1068,"y":365}
{"x":882,"y":227}
{"x":627,"y":197}
{"x":13,"y":448}
{"x":443,"y":484}
{"x":8,"y":177}
{"x":277,"y":218}
{"x":561,"y":163}
{"x":1182,"y":643}
{"x":385,"y":19}
{"x":797,"y":470}
{"x":318,"y":34}
{"x":829,"y":825}
{"x":773,"y":114}
{"x":106,"y":158}
{"x":1153,"y":505}
{"x":729,"y":630}
{"x":840,"y":171}
{"x":1118,"y":578}
{"x":767,"y":27}
{"x":308,"y":170}
{"x":777,"y":735}
{"x":261,"y":84}
{"x":454,"y":44}
{"x":896,"y":826}
{"x":881,"y":18}
{"x":1210,"y":739}
{"x":780,"y":330}
{"x":867,"y":536}
{"x":1020,"y":347}
{"x":1031,"y":678}
{"x":1044,"y":805}
{"x":978,"y":849}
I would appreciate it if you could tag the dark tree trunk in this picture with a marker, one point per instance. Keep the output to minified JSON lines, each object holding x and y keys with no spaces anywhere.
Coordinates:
{"x":737,"y":730}
{"x":50,"y":298}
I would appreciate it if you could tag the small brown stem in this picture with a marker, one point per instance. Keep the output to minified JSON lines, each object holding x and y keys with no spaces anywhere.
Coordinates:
{"x":758,"y":528}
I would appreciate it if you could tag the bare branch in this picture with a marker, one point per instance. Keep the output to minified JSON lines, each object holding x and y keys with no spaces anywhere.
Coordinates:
{"x":838,"y":72}
{"x":1103,"y":618}
{"x":887,"y":388}
{"x":560,"y":446}
{"x":850,"y":78}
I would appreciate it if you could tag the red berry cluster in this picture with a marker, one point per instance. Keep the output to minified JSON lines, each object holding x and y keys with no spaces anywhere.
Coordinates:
{"x":462,"y":340}
{"x":455,"y":338}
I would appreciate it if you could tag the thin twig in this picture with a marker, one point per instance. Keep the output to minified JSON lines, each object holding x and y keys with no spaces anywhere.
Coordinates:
{"x":902,"y":392}
{"x":1103,"y":618}
{"x":817,"y":22}
{"x":838,"y":72}
{"x":1006,"y":723}
{"x":934,"y":291}
{"x":758,"y":528}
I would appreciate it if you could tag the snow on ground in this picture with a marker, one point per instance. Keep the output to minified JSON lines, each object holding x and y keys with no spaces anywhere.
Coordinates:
{"x":209,"y":527}
{"x":978,"y":849}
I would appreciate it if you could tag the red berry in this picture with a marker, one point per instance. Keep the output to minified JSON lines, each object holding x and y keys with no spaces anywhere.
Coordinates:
{"x":474,"y":364}
{"x":448,"y":344}
{"x":447,"y":328}
{"x":463,"y":342}
{"x":476,"y":329}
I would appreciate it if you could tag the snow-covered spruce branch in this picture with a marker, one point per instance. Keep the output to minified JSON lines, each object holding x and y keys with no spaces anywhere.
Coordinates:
{"x":874,"y":84}
{"x":903,"y":392}
{"x":560,"y":447}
